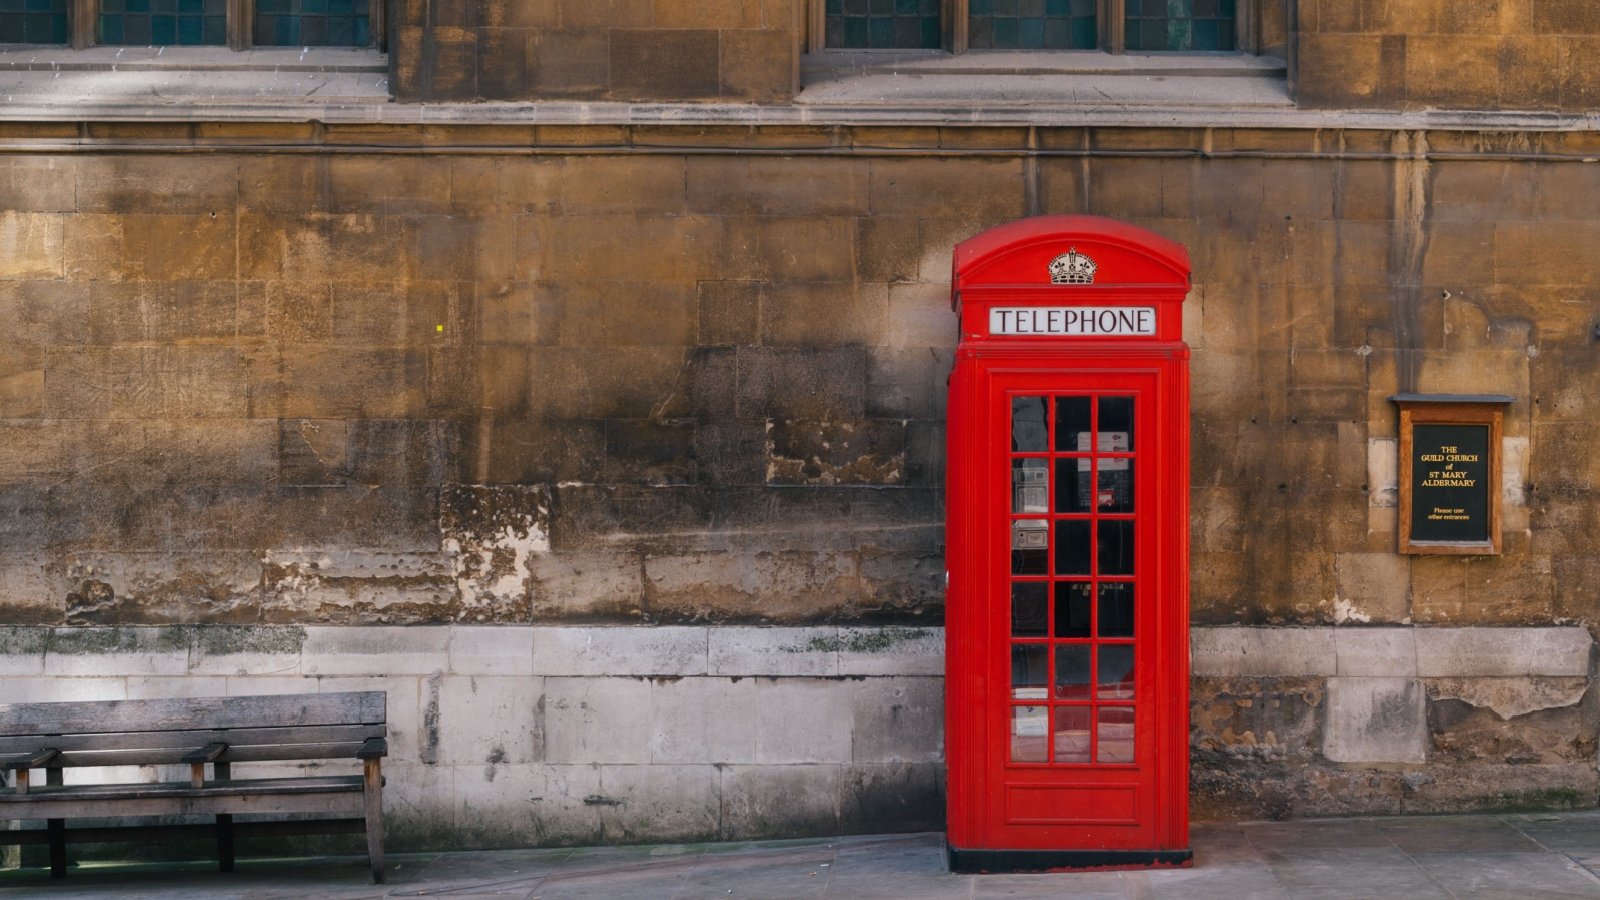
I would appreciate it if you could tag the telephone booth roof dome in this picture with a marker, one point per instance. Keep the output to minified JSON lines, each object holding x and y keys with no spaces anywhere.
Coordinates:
{"x":1021,"y":253}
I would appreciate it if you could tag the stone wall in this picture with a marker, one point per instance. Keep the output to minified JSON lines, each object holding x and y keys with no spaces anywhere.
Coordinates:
{"x":514,"y":736}
{"x":1487,"y":54}
{"x":730,"y":50}
{"x":518,"y":735}
{"x":577,"y":375}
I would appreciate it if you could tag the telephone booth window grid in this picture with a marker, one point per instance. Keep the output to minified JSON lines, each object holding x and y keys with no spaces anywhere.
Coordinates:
{"x":1072,"y":579}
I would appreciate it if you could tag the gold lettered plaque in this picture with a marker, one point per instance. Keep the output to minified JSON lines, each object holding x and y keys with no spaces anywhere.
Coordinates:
{"x":1450,"y":472}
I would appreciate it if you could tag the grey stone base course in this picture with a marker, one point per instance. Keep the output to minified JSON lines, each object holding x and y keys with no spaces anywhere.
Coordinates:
{"x":524,"y":735}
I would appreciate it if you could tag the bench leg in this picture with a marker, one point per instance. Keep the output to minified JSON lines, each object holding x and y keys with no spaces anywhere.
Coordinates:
{"x":56,"y":831}
{"x":224,"y":842}
{"x":372,"y":793}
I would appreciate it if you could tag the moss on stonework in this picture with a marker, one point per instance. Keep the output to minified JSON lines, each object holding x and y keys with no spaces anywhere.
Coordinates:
{"x":1545,"y":800}
{"x":875,"y":641}
{"x":22,"y":640}
{"x":220,"y":640}
{"x":120,"y":639}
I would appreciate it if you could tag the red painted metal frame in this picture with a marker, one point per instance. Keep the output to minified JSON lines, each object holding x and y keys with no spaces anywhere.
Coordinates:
{"x":1009,"y":266}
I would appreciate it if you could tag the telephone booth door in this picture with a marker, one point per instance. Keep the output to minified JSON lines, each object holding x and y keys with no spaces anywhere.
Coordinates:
{"x":1067,"y":623}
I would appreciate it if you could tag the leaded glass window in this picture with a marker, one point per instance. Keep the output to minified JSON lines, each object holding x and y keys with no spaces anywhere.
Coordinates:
{"x":163,"y":22}
{"x":1180,"y":24}
{"x":168,"y":23}
{"x":1111,"y":25}
{"x":1032,"y":24}
{"x":33,"y":21}
{"x":311,"y":23}
{"x":882,"y":24}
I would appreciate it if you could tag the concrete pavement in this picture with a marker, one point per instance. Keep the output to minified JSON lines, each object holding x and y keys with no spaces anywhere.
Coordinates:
{"x":1416,"y":858}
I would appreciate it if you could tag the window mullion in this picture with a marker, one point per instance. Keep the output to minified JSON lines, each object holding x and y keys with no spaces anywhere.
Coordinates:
{"x":956,"y":13}
{"x":240,"y":12}
{"x":82,"y":15}
{"x":1248,"y":34}
{"x":1113,"y":26}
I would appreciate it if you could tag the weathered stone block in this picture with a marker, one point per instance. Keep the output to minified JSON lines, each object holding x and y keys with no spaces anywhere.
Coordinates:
{"x":570,"y":62}
{"x":1376,"y":651}
{"x":1373,"y":587}
{"x":703,"y":720}
{"x":635,"y":651}
{"x":359,"y":586}
{"x":656,"y":64}
{"x":241,"y":651}
{"x":796,"y":721}
{"x":841,"y":452}
{"x":596,"y":720}
{"x":22,"y":651}
{"x":877,"y":799}
{"x":114,"y":652}
{"x":1511,"y":720}
{"x":1264,"y":718}
{"x":826,"y":383}
{"x":489,"y":720}
{"x":333,"y":650}
{"x":741,"y":651}
{"x":501,"y":650}
{"x":764,"y":586}
{"x":1263,"y":651}
{"x":1452,"y":652}
{"x":577,"y":585}
{"x":1375,"y":720}
{"x":780,"y":801}
{"x":658,"y":802}
{"x":31,"y":245}
{"x":897,"y":720}
{"x":157,"y":588}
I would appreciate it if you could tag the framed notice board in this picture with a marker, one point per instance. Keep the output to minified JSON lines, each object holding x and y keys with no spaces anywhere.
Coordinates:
{"x":1450,"y":472}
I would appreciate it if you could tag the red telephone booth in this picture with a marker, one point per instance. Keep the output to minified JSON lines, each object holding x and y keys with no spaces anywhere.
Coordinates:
{"x":1067,"y":677}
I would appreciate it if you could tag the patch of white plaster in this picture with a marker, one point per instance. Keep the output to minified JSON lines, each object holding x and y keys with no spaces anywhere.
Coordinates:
{"x":1344,"y":611}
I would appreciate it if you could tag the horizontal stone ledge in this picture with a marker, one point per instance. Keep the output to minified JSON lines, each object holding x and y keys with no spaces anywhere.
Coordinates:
{"x":479,"y":650}
{"x":1389,"y":652}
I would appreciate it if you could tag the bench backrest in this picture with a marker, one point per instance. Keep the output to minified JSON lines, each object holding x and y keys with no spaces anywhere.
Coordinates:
{"x":153,"y":732}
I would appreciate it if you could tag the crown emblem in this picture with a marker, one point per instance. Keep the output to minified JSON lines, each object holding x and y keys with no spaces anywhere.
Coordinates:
{"x":1072,"y":267}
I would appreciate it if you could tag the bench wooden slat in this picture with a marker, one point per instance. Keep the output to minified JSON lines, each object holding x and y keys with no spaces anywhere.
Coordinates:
{"x":254,"y":711}
{"x":36,"y":759}
{"x":174,"y":755}
{"x":192,"y":738}
{"x":310,"y":784}
{"x":342,"y":803}
{"x":115,"y":834}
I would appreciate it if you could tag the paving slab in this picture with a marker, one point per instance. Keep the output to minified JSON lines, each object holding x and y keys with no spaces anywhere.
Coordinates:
{"x":1526,"y":857}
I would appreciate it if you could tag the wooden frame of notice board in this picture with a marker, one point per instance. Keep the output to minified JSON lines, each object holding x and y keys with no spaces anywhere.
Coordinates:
{"x":1450,"y":478}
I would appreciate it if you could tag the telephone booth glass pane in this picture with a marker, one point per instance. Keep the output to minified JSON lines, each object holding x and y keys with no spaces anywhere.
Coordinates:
{"x":1029,"y":426}
{"x":1115,"y":735}
{"x":1114,"y":488}
{"x":1114,"y":676}
{"x":1030,"y":609}
{"x":1030,"y":542}
{"x":1072,"y":672}
{"x":1072,"y":485}
{"x":1030,"y":486}
{"x":1116,"y":422}
{"x":1029,"y":727}
{"x":1072,"y":734}
{"x":1074,"y":422}
{"x":1028,"y":672}
{"x":1116,"y":547}
{"x":1072,"y":609}
{"x":1116,"y":609}
{"x":1072,"y":547}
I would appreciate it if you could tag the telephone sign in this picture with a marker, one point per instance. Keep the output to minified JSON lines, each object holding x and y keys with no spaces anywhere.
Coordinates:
{"x":1067,"y":508}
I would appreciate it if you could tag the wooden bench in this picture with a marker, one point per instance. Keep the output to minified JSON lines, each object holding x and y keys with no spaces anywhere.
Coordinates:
{"x":200,"y":732}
